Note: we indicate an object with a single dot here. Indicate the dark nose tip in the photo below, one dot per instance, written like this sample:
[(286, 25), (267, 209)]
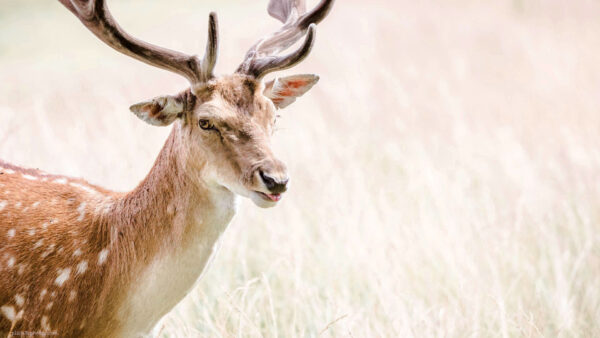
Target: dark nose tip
[(276, 186)]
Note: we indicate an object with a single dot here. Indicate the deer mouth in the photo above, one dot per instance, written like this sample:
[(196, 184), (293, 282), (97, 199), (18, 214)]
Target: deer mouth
[(269, 197)]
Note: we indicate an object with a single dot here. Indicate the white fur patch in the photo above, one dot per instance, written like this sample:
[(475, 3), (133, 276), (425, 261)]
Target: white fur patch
[(8, 312), (48, 251), (63, 276), (60, 181), (84, 188), (102, 256), (29, 177), (45, 324), (104, 206), (11, 233), (38, 243), (19, 300), (81, 211), (3, 205), (82, 267), (72, 296)]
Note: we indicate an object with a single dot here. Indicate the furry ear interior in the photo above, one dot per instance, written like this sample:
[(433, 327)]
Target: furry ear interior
[(284, 91), (160, 111)]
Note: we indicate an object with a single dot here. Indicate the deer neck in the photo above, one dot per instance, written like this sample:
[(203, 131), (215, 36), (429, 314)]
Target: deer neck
[(171, 205), (171, 225)]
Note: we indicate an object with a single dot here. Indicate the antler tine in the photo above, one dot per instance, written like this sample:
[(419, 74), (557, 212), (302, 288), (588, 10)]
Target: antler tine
[(212, 48), (94, 14), (262, 66), (260, 58)]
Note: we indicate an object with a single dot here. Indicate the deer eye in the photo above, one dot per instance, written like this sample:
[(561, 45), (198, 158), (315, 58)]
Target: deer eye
[(206, 125)]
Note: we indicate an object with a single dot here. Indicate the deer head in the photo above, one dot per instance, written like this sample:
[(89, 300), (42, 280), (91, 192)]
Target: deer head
[(226, 121)]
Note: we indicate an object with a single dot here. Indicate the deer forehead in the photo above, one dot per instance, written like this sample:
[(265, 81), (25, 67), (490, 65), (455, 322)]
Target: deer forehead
[(236, 98)]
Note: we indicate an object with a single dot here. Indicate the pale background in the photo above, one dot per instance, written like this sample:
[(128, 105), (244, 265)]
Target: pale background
[(445, 171)]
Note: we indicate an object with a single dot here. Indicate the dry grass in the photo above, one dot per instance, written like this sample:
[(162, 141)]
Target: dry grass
[(446, 169)]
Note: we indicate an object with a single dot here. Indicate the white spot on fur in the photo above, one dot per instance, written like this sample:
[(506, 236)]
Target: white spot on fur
[(63, 276), (77, 253), (72, 296), (8, 312), (38, 243), (82, 267), (104, 206), (8, 171), (21, 269), (60, 181), (19, 300), (10, 262), (31, 232), (35, 205), (45, 324), (84, 188), (20, 315), (29, 177), (43, 293), (3, 205), (53, 294), (102, 256), (49, 305), (48, 251), (18, 204), (11, 233), (81, 210)]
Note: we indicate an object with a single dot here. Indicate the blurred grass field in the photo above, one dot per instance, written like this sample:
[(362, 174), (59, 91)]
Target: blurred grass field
[(445, 170)]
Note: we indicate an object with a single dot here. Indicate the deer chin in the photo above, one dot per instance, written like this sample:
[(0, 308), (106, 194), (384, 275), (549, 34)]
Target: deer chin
[(264, 200)]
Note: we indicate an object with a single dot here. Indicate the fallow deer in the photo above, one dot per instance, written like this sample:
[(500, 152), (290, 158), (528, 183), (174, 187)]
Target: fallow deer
[(79, 260)]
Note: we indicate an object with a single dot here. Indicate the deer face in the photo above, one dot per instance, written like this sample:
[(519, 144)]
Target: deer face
[(227, 127), (233, 127)]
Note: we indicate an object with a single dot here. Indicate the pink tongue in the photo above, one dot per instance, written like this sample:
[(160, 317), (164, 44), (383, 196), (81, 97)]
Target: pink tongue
[(275, 197)]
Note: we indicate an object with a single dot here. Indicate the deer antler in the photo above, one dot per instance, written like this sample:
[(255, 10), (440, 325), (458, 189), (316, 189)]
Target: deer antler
[(262, 59), (94, 14)]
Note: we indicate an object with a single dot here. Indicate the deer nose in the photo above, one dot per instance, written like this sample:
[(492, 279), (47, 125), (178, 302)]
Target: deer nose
[(275, 185)]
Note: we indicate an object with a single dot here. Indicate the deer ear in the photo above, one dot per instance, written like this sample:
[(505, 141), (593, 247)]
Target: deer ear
[(284, 91), (160, 111)]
